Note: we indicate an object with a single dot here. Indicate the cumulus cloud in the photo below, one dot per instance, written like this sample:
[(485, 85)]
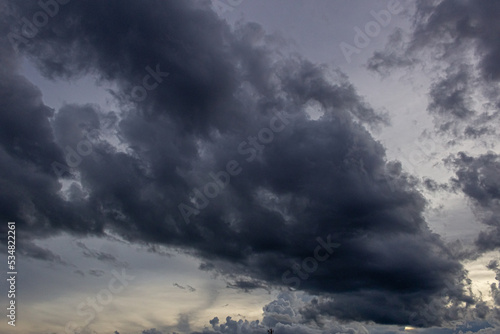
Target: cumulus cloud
[(283, 316), (229, 122)]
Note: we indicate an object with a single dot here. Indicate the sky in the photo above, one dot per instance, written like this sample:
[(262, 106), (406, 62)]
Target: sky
[(232, 166)]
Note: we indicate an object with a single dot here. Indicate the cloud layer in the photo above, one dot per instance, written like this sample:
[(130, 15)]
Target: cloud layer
[(221, 159)]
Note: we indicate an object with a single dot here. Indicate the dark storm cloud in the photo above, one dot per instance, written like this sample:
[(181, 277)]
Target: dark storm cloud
[(29, 188), (247, 285), (479, 179), (228, 98)]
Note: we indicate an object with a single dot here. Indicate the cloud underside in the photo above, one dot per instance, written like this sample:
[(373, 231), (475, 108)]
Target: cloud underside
[(230, 99)]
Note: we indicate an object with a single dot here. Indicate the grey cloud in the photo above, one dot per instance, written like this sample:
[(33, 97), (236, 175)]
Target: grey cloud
[(96, 272), (449, 41), (151, 331), (470, 23), (79, 272), (188, 287), (29, 249), (158, 249), (454, 42), (283, 316), (310, 179), (495, 291), (393, 55), (247, 285), (478, 178), (451, 96), (449, 28), (179, 286), (101, 256), (183, 324), (27, 150), (433, 186)]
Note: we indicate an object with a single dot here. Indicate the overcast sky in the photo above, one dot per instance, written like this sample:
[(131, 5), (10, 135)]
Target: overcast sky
[(231, 166)]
